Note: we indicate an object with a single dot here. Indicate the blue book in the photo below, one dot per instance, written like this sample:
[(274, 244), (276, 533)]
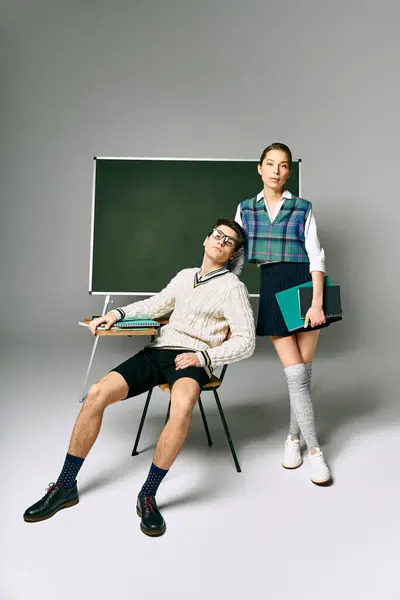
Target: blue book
[(288, 301)]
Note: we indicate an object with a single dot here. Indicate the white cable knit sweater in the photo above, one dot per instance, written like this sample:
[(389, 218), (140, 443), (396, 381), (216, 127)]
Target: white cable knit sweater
[(203, 312)]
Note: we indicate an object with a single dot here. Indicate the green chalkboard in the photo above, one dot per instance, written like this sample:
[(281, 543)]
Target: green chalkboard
[(150, 218)]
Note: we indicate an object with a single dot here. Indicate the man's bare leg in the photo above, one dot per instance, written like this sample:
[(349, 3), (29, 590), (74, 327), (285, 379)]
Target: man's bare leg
[(184, 395), (106, 391), (64, 493)]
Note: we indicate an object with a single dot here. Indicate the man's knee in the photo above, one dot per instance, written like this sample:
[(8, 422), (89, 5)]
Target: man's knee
[(95, 397), (98, 397), (109, 389), (183, 400)]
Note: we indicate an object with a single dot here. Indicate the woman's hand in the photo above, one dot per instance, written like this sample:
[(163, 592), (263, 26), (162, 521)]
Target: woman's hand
[(315, 316), (187, 359)]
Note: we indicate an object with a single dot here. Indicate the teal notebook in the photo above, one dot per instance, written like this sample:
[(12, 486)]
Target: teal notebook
[(128, 323), (288, 301)]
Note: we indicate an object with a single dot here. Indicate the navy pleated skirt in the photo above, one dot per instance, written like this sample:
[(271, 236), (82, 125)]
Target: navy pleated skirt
[(276, 277)]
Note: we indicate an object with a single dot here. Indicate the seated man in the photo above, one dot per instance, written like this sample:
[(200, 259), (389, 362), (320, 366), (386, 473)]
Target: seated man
[(206, 303)]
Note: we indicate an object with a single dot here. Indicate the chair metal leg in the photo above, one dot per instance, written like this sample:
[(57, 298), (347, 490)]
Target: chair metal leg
[(228, 435), (203, 416), (139, 433), (168, 411)]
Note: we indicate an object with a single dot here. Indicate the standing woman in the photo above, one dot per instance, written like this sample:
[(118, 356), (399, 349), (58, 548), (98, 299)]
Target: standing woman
[(282, 239)]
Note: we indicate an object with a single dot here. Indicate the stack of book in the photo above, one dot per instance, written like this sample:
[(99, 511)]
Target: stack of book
[(128, 323), (296, 301)]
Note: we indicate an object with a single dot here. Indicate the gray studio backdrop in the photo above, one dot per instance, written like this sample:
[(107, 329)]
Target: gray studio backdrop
[(200, 79)]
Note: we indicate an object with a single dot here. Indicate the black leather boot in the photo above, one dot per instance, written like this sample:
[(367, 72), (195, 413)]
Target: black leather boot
[(152, 522), (57, 497)]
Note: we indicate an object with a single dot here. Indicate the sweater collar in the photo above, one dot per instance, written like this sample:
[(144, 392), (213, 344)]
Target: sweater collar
[(201, 279)]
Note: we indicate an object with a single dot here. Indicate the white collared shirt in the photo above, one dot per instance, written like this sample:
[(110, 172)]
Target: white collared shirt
[(315, 252)]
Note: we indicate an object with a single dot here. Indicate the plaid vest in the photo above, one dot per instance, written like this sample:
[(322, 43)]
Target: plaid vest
[(280, 241)]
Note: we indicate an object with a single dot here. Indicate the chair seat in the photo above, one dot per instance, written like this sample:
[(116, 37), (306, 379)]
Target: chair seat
[(213, 383)]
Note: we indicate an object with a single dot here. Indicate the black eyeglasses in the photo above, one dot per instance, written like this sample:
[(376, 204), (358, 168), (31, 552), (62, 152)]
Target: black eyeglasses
[(220, 235)]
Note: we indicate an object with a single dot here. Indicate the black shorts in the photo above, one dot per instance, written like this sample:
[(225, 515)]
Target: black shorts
[(152, 366)]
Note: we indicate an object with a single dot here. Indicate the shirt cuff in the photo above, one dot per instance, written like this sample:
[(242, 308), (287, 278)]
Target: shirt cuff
[(317, 265), (204, 358), (119, 313)]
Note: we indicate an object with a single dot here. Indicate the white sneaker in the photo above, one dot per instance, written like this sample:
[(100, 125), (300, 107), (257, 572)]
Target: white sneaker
[(292, 457), (320, 472)]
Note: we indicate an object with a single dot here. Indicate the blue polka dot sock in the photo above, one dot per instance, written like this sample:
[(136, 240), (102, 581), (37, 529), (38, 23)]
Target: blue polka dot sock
[(70, 470), (154, 478)]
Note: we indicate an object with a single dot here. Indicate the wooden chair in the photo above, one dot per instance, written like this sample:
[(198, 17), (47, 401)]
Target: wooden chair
[(212, 386)]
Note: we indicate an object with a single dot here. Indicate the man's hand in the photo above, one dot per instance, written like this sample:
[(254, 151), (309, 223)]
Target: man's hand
[(315, 316), (187, 359), (109, 319)]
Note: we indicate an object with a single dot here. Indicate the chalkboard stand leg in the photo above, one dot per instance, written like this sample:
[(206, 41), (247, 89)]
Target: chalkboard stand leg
[(96, 341)]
